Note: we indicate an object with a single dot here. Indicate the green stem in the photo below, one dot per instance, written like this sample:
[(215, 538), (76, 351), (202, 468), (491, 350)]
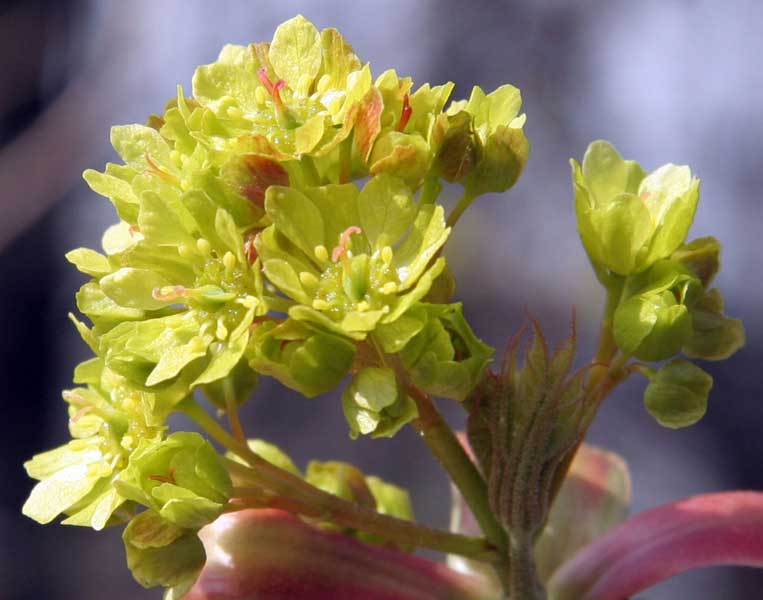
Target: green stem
[(308, 168), (430, 190), (462, 205), (231, 407), (442, 442), (314, 502)]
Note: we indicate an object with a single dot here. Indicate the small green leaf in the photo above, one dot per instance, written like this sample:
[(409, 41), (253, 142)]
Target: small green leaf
[(677, 395)]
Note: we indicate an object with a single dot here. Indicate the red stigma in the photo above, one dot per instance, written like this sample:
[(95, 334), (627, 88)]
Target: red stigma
[(344, 241), (405, 114), (250, 250), (274, 89), (164, 478)]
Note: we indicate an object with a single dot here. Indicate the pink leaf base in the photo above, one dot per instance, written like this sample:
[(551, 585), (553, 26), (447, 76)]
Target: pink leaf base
[(708, 530), (271, 554)]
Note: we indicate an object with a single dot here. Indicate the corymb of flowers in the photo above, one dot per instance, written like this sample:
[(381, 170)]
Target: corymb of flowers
[(282, 220)]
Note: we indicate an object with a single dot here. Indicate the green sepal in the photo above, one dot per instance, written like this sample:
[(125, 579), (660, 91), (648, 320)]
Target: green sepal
[(161, 553), (652, 326), (406, 156), (446, 358), (271, 453), (242, 382), (701, 257), (677, 394), (655, 322), (375, 405), (89, 262), (341, 479), (394, 336), (180, 477), (134, 288), (309, 361), (714, 336)]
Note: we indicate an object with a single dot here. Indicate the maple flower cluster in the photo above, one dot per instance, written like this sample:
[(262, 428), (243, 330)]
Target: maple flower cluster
[(282, 220)]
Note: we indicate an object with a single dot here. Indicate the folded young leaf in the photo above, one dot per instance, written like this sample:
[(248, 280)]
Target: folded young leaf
[(271, 554), (702, 531)]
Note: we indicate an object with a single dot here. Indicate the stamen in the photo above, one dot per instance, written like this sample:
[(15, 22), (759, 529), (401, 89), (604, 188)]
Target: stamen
[(204, 246), (387, 255), (319, 304), (229, 261), (308, 280), (321, 253), (344, 242), (221, 333), (274, 89), (169, 293), (405, 114)]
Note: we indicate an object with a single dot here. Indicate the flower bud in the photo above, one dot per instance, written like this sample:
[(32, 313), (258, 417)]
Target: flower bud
[(627, 219)]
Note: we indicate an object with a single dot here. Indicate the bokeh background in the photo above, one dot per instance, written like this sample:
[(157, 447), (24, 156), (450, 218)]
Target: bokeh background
[(665, 80)]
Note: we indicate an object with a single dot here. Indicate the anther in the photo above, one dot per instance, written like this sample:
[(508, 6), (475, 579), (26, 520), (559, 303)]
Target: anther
[(204, 246), (389, 288), (321, 253), (308, 280), (387, 255), (229, 261), (319, 304)]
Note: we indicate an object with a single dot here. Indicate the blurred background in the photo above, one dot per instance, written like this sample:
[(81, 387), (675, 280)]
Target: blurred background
[(665, 80)]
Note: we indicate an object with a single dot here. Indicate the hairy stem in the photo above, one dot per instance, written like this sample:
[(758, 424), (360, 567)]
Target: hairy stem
[(524, 584), (272, 486), (442, 442)]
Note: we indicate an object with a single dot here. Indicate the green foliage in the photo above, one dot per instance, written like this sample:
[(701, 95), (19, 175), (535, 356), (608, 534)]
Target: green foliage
[(677, 394)]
